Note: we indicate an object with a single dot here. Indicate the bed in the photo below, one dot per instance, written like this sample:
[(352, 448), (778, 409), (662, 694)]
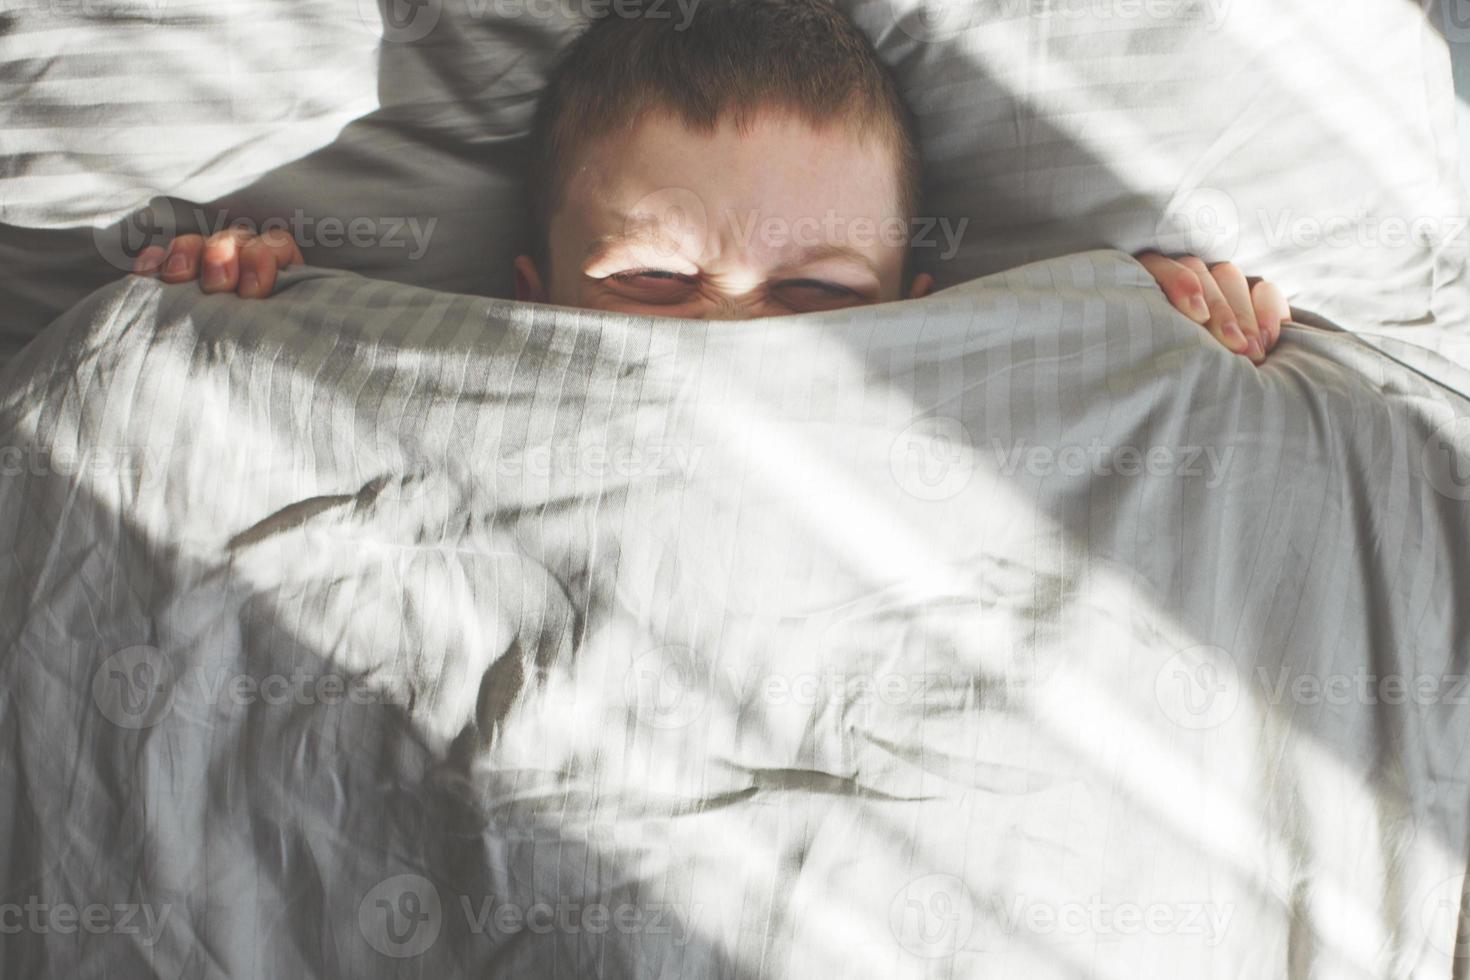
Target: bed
[(393, 628)]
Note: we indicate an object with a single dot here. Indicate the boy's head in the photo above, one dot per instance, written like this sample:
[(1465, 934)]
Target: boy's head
[(754, 161)]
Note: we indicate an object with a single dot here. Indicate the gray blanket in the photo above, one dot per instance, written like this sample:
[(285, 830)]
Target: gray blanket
[(1019, 631)]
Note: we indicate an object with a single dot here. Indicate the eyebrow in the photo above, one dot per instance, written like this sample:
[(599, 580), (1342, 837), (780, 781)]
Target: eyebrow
[(817, 253), (603, 244)]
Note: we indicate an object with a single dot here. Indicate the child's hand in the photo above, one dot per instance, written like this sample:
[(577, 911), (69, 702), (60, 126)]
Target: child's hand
[(1243, 314), (234, 261)]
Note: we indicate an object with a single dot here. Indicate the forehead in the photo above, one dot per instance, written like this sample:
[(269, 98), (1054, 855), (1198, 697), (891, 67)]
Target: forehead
[(777, 167)]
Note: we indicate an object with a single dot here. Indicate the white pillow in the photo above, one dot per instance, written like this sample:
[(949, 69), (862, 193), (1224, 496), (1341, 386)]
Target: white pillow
[(1308, 143), (310, 112)]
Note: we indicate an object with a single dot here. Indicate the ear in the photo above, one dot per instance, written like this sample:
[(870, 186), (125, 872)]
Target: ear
[(529, 288), (923, 282)]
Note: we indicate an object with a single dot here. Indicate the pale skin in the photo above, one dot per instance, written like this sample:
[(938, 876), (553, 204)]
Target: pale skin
[(781, 217)]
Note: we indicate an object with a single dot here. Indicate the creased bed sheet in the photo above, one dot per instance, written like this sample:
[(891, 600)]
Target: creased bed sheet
[(1015, 632)]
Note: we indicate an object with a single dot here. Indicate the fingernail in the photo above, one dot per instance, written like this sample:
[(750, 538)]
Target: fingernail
[(1254, 350), (177, 263), (1234, 339), (214, 274), (149, 260), (249, 281), (1199, 310)]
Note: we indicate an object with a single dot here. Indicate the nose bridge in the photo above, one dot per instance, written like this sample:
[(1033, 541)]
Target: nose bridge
[(730, 308), (736, 265), (735, 291)]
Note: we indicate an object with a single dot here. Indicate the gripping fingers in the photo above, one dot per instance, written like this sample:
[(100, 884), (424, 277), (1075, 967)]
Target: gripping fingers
[(1224, 323), (257, 270), (150, 261), (261, 258), (182, 261), (220, 261), (1271, 309), (235, 260), (1233, 284), (1181, 285)]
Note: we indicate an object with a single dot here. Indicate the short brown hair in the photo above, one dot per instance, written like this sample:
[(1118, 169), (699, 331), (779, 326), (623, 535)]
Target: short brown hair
[(732, 57)]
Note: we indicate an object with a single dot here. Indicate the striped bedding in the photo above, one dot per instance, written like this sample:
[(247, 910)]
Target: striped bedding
[(1017, 631)]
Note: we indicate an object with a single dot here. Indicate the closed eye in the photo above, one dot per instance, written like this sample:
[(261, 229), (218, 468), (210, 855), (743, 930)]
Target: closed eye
[(651, 274), (812, 295), (662, 287), (830, 288), (653, 287)]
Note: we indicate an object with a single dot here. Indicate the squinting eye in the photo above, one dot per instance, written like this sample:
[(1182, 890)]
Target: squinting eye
[(827, 288), (653, 287), (656, 274)]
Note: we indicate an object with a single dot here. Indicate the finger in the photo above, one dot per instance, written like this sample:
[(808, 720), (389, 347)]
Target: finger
[(220, 261), (1232, 283), (280, 242), (182, 263), (260, 259), (1271, 309), (149, 261), (1223, 324), (257, 270), (1180, 285)]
